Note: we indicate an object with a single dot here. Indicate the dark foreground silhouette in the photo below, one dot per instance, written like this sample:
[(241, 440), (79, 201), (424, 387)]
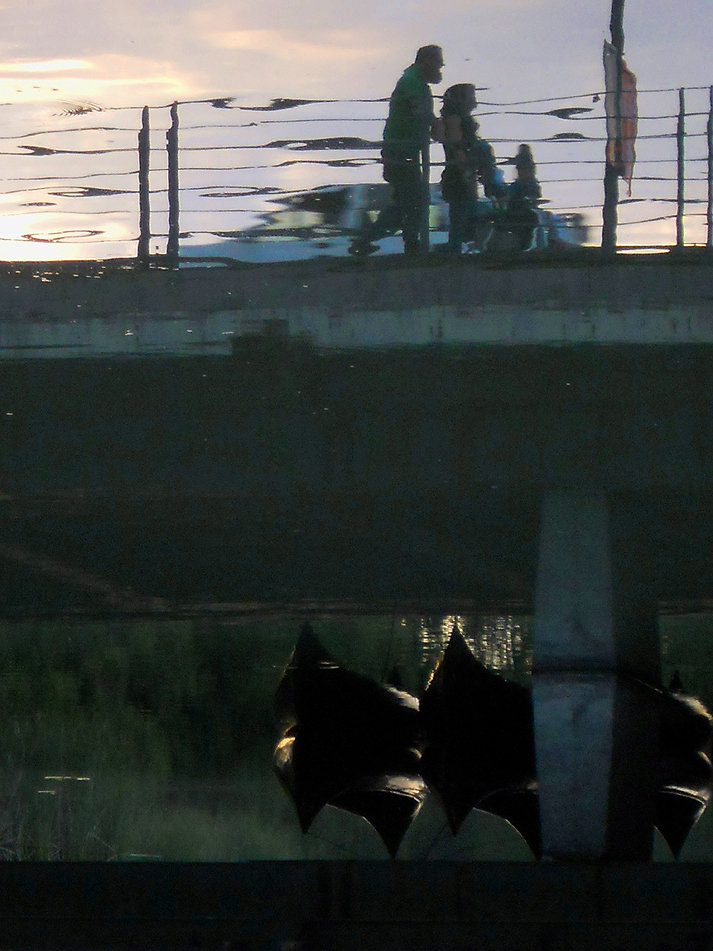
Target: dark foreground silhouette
[(375, 750)]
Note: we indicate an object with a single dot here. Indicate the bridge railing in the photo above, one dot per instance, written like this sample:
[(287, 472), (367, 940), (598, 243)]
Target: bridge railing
[(297, 178)]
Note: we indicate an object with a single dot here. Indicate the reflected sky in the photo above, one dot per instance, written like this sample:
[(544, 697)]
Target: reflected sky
[(73, 76), (172, 49)]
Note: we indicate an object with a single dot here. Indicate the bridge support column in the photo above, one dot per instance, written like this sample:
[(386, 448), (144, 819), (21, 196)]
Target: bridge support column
[(595, 641)]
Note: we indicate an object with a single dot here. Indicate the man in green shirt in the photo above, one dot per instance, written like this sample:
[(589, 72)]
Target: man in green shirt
[(408, 131)]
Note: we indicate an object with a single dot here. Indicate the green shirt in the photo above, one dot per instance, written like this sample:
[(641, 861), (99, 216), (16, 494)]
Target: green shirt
[(408, 126)]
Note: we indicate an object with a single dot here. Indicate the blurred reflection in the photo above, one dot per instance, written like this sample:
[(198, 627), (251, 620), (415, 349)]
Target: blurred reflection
[(470, 160), (334, 221), (155, 738), (503, 644), (361, 746), (410, 125), (347, 741), (368, 748), (480, 746), (125, 739)]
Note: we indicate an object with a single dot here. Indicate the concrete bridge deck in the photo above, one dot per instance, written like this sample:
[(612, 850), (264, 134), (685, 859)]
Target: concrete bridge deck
[(331, 433)]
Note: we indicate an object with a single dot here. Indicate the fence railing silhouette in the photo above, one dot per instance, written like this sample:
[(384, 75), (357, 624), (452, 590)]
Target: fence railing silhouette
[(253, 170)]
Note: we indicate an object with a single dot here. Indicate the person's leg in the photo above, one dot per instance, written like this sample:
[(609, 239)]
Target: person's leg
[(478, 226), (526, 230), (387, 222), (457, 214), (409, 193)]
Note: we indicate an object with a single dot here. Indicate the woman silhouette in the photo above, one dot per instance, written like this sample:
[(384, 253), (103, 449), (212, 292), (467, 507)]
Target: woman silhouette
[(469, 160)]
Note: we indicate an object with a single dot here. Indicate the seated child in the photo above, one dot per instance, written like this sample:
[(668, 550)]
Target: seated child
[(525, 191), (515, 228)]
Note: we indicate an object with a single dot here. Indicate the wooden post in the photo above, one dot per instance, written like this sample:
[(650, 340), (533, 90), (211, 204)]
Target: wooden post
[(616, 25), (709, 137), (426, 185), (610, 218), (144, 204), (680, 166), (611, 175), (173, 210)]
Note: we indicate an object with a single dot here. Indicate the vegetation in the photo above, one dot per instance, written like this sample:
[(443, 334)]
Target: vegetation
[(154, 739)]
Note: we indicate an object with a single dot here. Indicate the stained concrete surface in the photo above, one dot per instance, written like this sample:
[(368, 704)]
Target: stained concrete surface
[(283, 472)]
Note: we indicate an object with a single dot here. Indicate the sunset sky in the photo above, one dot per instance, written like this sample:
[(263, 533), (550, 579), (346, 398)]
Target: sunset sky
[(58, 56), (127, 52)]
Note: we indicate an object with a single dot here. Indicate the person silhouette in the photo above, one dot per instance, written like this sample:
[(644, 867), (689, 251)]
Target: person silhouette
[(523, 196), (410, 126), (469, 160)]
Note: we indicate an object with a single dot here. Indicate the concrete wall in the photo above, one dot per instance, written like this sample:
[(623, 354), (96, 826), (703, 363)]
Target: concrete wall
[(312, 460), (281, 473), (81, 312), (399, 906)]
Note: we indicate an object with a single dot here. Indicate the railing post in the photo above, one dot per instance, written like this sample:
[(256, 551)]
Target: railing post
[(173, 210), (709, 138), (680, 167), (426, 186), (144, 204)]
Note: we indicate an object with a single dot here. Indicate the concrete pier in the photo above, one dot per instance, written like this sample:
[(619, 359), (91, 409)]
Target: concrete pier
[(595, 641)]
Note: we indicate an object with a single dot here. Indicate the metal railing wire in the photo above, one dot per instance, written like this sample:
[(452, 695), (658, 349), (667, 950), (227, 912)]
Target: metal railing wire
[(276, 172)]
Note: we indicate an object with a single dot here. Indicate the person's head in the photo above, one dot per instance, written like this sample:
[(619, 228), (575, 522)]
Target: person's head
[(459, 99), (429, 61), (524, 162)]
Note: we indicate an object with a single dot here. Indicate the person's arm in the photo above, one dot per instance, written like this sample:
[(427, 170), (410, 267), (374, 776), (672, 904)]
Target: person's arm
[(452, 129), (421, 108), (485, 159)]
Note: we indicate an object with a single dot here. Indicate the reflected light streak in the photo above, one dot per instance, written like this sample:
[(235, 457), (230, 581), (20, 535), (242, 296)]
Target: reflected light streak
[(46, 66), (497, 642), (54, 237)]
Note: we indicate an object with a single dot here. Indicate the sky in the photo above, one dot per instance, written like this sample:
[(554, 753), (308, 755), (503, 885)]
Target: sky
[(122, 53), (57, 56)]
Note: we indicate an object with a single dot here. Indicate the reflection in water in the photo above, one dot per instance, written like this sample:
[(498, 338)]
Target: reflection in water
[(229, 159), (500, 643), (169, 727), (155, 738), (480, 746), (686, 774), (297, 148), (79, 108), (356, 220), (347, 741), (363, 747), (375, 751)]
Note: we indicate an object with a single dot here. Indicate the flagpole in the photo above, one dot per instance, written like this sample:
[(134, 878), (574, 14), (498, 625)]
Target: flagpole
[(611, 175)]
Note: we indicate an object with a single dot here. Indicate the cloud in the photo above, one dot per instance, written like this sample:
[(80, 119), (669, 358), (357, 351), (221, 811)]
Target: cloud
[(52, 66), (333, 47)]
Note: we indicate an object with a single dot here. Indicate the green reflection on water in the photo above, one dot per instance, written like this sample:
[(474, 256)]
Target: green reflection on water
[(154, 739)]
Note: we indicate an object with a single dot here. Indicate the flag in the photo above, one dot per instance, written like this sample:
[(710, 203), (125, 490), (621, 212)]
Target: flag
[(621, 112)]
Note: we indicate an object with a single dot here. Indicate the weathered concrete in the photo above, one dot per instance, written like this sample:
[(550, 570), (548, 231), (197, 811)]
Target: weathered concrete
[(81, 311), (379, 433), (283, 473), (595, 730)]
